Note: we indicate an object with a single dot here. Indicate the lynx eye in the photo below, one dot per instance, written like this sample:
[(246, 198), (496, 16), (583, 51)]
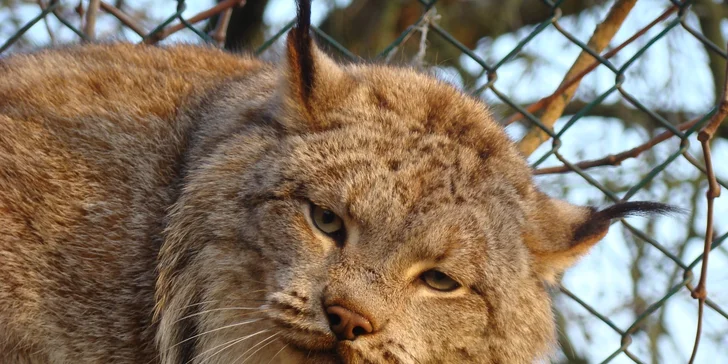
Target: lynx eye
[(328, 222), (439, 281)]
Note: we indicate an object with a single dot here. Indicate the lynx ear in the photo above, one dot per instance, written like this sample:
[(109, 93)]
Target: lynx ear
[(312, 81), (560, 233)]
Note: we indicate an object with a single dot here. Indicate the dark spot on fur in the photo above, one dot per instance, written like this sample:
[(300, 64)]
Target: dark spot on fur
[(387, 355), (394, 165), (380, 100), (464, 354), (416, 129), (425, 207), (97, 87), (463, 131)]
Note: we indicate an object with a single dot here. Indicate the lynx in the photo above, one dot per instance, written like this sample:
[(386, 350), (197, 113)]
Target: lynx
[(184, 205)]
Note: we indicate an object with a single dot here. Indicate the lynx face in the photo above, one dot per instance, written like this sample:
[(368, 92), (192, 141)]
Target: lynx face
[(369, 242), (375, 216)]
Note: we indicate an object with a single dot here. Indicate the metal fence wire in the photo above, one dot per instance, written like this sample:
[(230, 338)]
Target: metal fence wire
[(540, 128)]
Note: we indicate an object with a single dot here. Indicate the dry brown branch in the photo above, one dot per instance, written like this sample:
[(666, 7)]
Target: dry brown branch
[(540, 104), (704, 136), (123, 18), (599, 40), (617, 159), (221, 28), (89, 27), (221, 6)]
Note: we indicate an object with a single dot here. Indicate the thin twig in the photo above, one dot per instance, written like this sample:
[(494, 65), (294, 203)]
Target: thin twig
[(227, 4), (220, 32), (599, 40), (123, 18), (89, 27), (51, 36), (420, 23), (540, 104), (617, 159), (430, 17), (704, 136)]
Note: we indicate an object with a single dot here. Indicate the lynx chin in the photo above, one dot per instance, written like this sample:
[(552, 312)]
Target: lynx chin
[(164, 205)]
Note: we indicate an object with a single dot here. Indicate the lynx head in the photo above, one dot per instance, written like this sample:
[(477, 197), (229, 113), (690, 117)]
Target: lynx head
[(364, 213)]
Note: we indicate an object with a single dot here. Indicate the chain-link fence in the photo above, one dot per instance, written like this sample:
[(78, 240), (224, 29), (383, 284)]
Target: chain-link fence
[(538, 120)]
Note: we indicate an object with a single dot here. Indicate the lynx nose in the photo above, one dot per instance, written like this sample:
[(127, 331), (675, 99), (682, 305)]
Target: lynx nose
[(346, 324)]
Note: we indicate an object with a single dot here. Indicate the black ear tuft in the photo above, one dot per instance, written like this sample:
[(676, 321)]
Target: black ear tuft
[(300, 40), (600, 220), (560, 233), (303, 16), (311, 82), (637, 208)]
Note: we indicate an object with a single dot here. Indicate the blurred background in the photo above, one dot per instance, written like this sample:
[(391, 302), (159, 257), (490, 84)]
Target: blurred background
[(658, 79)]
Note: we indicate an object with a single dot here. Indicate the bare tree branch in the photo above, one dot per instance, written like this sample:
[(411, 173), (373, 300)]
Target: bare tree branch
[(599, 40), (704, 136), (220, 31), (367, 26), (203, 15), (89, 27), (540, 104), (710, 15), (123, 18), (617, 159)]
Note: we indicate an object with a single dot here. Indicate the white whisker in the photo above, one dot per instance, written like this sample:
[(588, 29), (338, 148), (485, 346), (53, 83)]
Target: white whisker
[(213, 301), (217, 329), (196, 304), (225, 345), (261, 348), (276, 354), (253, 347), (222, 309)]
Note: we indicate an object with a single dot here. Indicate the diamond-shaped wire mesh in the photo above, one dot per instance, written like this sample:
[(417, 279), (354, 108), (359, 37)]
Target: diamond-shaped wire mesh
[(673, 19)]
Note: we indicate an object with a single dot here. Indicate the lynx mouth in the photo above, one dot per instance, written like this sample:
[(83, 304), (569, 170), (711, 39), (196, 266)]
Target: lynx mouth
[(328, 355), (307, 340), (343, 353), (322, 349), (335, 352)]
